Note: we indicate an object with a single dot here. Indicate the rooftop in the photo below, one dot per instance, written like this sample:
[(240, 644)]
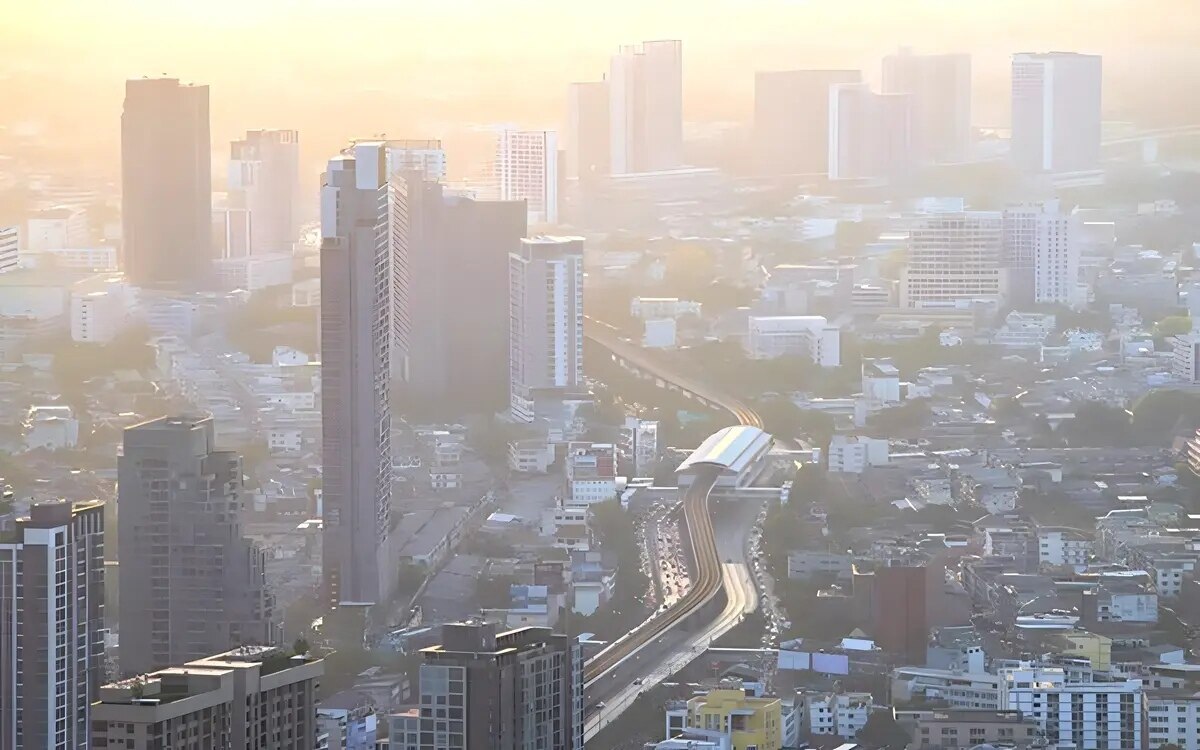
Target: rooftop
[(732, 448)]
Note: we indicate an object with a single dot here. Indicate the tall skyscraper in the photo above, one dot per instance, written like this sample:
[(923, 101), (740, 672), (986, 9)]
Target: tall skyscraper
[(191, 584), (791, 119), (1041, 254), (264, 179), (450, 354), (645, 87), (869, 133), (358, 264), (166, 183), (953, 259), (51, 626), (939, 91), (483, 690), (587, 130), (546, 302), (8, 248), (1056, 111), (527, 169)]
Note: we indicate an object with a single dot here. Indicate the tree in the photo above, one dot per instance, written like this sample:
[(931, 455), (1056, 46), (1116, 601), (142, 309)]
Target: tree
[(1157, 414), (1097, 424), (300, 646), (809, 485), (1172, 325)]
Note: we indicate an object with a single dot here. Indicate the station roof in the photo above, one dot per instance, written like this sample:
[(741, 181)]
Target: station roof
[(733, 449)]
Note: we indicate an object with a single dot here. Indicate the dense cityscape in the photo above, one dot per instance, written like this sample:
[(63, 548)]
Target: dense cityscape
[(864, 423)]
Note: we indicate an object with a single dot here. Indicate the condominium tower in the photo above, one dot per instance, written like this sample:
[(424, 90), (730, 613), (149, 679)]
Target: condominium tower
[(546, 302), (166, 183), (527, 170), (1056, 111), (869, 133), (791, 119), (645, 87), (587, 130), (483, 690), (191, 583), (264, 179), (953, 259), (939, 91), (51, 626), (358, 264)]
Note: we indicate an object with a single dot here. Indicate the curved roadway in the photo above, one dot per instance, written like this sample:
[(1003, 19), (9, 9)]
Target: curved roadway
[(711, 576)]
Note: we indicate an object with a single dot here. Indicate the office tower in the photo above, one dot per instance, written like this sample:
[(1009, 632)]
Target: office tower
[(422, 155), (1041, 254), (791, 119), (546, 303), (264, 179), (51, 625), (191, 583), (1056, 111), (869, 133), (953, 259), (450, 350), (254, 697), (939, 91), (645, 107), (900, 619), (483, 690), (587, 130), (166, 183), (527, 170), (358, 262), (8, 248)]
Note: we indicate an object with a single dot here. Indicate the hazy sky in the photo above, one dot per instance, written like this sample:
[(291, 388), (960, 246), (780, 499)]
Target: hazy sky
[(430, 68)]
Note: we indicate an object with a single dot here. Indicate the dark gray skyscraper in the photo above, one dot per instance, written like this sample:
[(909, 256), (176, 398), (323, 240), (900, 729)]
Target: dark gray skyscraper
[(357, 269), (166, 183), (51, 626), (452, 317), (191, 584)]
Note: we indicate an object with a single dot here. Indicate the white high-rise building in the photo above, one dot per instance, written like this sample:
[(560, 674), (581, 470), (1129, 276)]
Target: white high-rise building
[(939, 90), (546, 314), (264, 179), (357, 258), (1041, 254), (587, 130), (953, 259), (1056, 111), (1095, 715), (527, 169), (869, 133), (8, 248), (645, 87)]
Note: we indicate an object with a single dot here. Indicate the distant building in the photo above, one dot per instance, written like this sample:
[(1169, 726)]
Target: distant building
[(969, 242), (939, 91), (810, 336), (1185, 363), (870, 134), (729, 717), (254, 697), (527, 170), (791, 119), (546, 341), (264, 179), (651, 308), (591, 471), (587, 130), (536, 675), (1102, 715), (165, 152), (645, 87), (56, 228), (1041, 254), (945, 728), (52, 637), (1056, 111), (191, 583), (838, 714), (639, 446), (348, 717), (900, 619), (415, 155), (850, 454)]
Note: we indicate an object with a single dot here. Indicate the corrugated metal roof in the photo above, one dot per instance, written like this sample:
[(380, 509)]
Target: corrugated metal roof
[(732, 448)]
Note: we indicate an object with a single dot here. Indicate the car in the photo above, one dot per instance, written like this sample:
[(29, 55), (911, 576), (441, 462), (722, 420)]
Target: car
[(638, 681)]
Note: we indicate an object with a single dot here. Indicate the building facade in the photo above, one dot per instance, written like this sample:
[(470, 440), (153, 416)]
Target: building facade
[(546, 314), (483, 690), (264, 179), (191, 583), (1041, 254), (587, 130), (166, 183), (8, 248), (1056, 111), (645, 107), (51, 626), (357, 265), (527, 170), (791, 119), (953, 259), (1092, 716), (939, 92), (900, 611), (809, 336), (870, 134)]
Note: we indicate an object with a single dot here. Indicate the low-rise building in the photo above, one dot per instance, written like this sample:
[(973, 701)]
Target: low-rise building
[(650, 308), (531, 456), (960, 729), (1060, 546), (51, 428), (731, 718), (348, 718), (591, 470), (806, 564), (810, 336), (853, 454), (839, 714)]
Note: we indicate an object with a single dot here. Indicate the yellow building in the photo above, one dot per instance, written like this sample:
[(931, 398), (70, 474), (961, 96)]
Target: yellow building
[(748, 721), (1096, 648)]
